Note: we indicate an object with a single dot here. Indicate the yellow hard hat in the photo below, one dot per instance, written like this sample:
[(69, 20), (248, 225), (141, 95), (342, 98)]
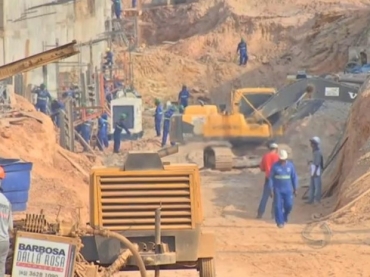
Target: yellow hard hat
[(108, 49)]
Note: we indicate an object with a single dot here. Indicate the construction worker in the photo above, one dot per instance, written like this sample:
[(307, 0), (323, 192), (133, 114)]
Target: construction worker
[(283, 183), (86, 133), (70, 92), (117, 8), (184, 96), (108, 59), (166, 124), (317, 166), (268, 160), (56, 107), (133, 4), (6, 224), (119, 126), (42, 99), (242, 50), (102, 131), (363, 57), (158, 117)]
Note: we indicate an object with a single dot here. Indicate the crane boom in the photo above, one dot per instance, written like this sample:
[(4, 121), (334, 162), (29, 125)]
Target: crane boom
[(40, 59)]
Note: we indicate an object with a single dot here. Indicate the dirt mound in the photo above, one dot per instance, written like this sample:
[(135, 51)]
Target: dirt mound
[(195, 44), (55, 181)]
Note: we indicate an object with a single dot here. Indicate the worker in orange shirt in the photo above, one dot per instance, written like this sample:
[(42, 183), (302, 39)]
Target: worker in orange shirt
[(266, 164)]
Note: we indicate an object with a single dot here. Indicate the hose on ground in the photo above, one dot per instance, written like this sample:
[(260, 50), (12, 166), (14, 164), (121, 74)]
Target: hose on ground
[(127, 243)]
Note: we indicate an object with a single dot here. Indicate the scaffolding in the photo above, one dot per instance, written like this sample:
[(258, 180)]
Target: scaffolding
[(124, 32)]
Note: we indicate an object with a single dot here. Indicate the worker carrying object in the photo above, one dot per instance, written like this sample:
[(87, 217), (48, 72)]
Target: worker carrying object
[(42, 99), (316, 167), (166, 124), (119, 126), (103, 131), (158, 115), (184, 96), (6, 224), (243, 53), (268, 160), (283, 183), (117, 8), (56, 107), (108, 59)]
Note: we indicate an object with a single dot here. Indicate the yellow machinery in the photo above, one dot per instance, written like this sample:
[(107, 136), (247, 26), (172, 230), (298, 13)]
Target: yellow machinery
[(143, 194), (242, 123), (144, 215)]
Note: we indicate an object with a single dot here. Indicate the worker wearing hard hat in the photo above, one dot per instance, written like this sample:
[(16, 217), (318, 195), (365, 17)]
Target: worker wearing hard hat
[(268, 160), (108, 59), (6, 225), (283, 183), (316, 166)]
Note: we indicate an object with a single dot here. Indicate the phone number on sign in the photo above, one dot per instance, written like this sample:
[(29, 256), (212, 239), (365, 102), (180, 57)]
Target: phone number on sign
[(36, 274)]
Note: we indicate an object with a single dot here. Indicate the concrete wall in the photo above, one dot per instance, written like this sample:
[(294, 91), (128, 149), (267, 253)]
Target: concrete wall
[(40, 23)]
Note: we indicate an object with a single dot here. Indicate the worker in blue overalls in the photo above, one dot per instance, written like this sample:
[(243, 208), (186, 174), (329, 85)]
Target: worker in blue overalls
[(283, 183), (243, 52), (166, 124), (118, 127), (85, 131), (158, 116), (56, 107), (43, 96), (183, 98), (102, 131), (108, 59)]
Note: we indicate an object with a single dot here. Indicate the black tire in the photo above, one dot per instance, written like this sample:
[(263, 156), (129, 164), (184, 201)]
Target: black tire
[(207, 267)]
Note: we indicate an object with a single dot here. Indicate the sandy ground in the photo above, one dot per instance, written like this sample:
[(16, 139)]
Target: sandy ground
[(195, 44), (250, 247)]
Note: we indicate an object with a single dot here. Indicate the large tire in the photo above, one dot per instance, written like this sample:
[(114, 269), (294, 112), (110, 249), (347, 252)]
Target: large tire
[(207, 267)]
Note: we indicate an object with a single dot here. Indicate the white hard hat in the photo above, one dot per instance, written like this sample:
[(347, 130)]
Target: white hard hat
[(315, 140), (273, 145), (283, 155)]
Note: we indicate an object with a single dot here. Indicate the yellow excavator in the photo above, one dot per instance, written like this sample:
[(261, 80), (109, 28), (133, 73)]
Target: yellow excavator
[(238, 124)]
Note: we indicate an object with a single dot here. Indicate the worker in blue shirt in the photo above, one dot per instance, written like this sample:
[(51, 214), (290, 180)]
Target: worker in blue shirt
[(243, 52), (158, 115), (119, 126), (43, 96), (184, 96), (117, 8), (166, 124), (56, 107), (102, 131), (108, 59), (283, 183), (69, 93)]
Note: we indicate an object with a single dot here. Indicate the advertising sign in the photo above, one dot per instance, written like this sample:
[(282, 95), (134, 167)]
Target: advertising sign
[(39, 257)]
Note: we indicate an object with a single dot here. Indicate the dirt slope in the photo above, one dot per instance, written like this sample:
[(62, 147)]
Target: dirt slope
[(204, 36), (54, 180)]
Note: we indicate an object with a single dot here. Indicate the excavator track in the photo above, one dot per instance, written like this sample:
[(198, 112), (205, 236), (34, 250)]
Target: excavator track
[(218, 158)]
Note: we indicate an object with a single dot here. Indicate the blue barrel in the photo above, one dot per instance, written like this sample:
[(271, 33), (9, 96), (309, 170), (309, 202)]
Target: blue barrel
[(17, 182)]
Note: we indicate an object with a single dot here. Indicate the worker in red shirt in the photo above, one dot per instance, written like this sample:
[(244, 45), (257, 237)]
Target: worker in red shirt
[(266, 164)]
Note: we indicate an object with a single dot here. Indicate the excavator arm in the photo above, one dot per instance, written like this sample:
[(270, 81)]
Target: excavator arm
[(40, 59)]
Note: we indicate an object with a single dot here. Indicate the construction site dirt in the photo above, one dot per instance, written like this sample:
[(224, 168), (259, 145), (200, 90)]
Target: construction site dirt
[(195, 44)]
